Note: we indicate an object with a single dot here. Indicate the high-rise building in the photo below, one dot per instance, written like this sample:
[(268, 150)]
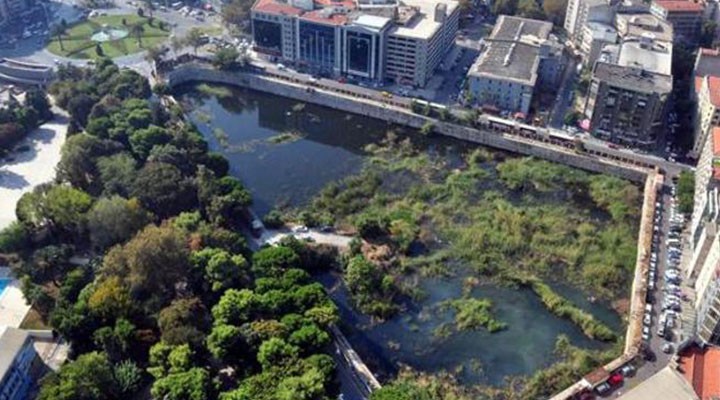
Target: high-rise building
[(518, 57), (366, 39)]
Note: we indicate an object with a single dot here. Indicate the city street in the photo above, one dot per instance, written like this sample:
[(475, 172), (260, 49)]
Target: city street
[(564, 97)]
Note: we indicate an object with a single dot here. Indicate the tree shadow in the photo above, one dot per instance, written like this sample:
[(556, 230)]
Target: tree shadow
[(11, 180)]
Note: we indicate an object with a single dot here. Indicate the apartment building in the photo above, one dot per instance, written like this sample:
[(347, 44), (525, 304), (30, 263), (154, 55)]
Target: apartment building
[(686, 17), (519, 57), (629, 89), (16, 358), (627, 104), (374, 40), (579, 12)]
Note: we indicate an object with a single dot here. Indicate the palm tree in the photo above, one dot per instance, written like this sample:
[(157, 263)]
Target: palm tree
[(58, 31), (138, 31)]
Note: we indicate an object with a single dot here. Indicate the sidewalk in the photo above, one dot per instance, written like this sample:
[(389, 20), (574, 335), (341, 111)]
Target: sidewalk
[(22, 171)]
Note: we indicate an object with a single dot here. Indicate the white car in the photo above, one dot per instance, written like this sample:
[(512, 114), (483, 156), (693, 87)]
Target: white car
[(647, 320)]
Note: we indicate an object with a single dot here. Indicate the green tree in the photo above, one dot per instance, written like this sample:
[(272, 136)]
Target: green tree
[(14, 238), (163, 190), (530, 9), (310, 338), (59, 207), (78, 160), (275, 352), (222, 270), (183, 321), (272, 261), (152, 263), (37, 100), (138, 30), (195, 38), (128, 377), (226, 58), (506, 7), (116, 340), (193, 384), (686, 192), (114, 220), (143, 140), (90, 377), (117, 174), (235, 307), (227, 343), (555, 10)]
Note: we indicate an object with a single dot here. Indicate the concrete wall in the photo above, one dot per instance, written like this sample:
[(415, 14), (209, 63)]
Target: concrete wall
[(192, 73)]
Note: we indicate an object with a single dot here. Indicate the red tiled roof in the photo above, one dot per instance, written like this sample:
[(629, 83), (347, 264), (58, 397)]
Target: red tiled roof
[(714, 88), (680, 5), (710, 52), (701, 369), (345, 3), (276, 7), (716, 140), (332, 19)]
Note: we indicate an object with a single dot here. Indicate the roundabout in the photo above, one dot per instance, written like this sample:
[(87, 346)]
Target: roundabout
[(109, 36)]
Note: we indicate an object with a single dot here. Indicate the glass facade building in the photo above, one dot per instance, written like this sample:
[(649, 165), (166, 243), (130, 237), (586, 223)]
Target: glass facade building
[(317, 45), (268, 35)]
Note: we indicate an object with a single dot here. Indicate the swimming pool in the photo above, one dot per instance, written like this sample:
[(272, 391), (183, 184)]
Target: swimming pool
[(3, 284)]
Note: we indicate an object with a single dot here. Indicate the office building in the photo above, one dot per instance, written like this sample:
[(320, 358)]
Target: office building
[(579, 12), (17, 355), (518, 57), (686, 17), (419, 40), (375, 40)]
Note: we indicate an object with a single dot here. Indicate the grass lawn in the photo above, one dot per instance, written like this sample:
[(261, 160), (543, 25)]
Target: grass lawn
[(76, 42)]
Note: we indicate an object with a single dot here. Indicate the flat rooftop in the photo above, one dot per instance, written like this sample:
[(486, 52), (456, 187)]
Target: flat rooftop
[(508, 60), (652, 56), (512, 51), (707, 63), (667, 384), (632, 78), (514, 28), (687, 6), (638, 24), (603, 32), (423, 24)]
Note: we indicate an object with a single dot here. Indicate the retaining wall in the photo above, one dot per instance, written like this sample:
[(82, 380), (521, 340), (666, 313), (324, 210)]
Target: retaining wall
[(193, 73)]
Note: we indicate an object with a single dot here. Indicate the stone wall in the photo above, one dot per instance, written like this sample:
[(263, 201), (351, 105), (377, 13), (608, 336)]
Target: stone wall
[(193, 73)]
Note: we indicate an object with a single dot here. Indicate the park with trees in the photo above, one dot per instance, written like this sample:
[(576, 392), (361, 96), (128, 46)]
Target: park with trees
[(171, 302), (22, 116)]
